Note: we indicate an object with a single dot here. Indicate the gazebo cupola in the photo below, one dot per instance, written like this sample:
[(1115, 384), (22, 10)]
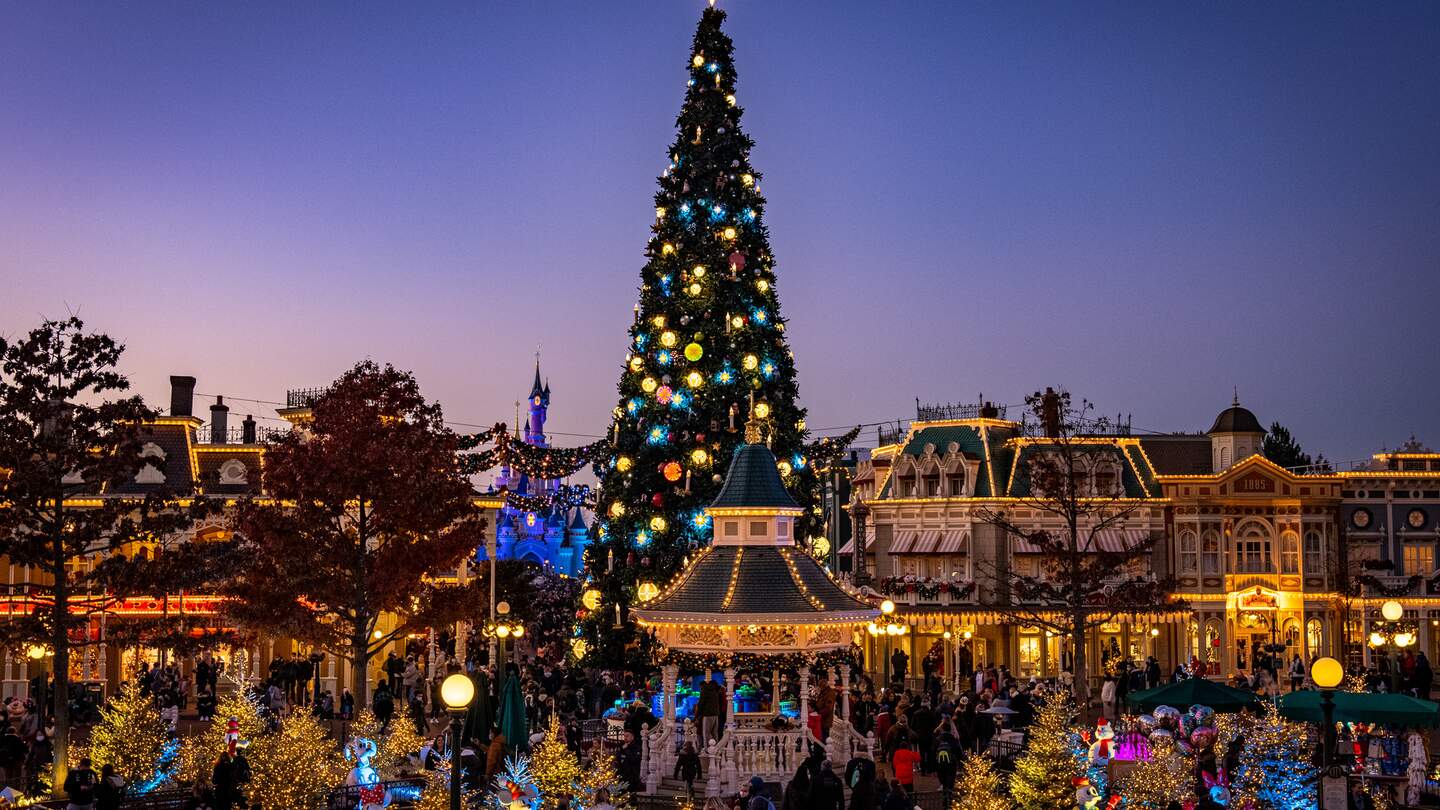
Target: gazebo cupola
[(753, 592)]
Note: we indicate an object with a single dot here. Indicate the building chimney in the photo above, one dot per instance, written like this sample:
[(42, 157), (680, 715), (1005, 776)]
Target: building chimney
[(1050, 412), (182, 396), (219, 421), (247, 430)]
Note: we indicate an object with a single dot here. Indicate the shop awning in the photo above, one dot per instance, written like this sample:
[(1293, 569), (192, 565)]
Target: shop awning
[(849, 545), (903, 541), (926, 542), (1114, 541), (951, 543), (1192, 691)]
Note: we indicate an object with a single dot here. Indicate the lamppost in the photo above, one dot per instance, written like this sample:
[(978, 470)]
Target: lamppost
[(457, 691), (1326, 673), (499, 631), (1393, 633), (888, 624)]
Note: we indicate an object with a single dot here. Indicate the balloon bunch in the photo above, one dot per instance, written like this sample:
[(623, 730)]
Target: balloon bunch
[(1193, 731)]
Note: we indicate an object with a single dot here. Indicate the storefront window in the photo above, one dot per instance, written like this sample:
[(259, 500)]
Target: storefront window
[(1212, 641), (1029, 655), (1194, 633), (1312, 638)]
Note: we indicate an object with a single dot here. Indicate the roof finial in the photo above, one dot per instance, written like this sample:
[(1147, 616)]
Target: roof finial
[(1236, 402), (752, 424)]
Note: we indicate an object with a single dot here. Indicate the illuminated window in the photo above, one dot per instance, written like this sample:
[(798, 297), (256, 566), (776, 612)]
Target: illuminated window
[(1419, 558), (1312, 638), (1210, 553), (1314, 554), (1252, 552), (1189, 553), (1212, 640), (1029, 655), (1289, 553)]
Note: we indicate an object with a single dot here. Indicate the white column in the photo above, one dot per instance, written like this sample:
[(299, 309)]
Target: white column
[(845, 691), (805, 699)]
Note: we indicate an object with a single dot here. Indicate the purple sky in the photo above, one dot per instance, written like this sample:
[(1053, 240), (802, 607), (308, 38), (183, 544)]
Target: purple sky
[(1145, 202)]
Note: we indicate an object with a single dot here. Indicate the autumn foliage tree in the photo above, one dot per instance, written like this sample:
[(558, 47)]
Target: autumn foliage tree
[(362, 504), (1082, 584), (66, 430)]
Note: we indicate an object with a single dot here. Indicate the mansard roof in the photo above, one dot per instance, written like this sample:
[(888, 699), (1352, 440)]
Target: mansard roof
[(736, 582)]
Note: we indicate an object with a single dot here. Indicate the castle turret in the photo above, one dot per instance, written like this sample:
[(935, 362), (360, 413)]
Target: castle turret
[(539, 404)]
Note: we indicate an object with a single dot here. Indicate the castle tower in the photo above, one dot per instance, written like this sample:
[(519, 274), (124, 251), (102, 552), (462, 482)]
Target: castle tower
[(539, 404)]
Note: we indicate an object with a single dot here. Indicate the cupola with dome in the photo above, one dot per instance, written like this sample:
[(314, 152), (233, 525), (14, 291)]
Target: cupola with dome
[(1235, 436)]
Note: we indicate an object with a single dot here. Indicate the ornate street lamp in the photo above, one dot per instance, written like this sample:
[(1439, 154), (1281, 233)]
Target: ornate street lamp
[(457, 691)]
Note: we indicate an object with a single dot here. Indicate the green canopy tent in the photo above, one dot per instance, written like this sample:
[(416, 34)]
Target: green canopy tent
[(1363, 707), (512, 716), (1192, 691)]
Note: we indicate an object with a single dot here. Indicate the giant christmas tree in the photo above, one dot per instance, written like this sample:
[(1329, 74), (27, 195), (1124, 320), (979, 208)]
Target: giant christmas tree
[(707, 346)]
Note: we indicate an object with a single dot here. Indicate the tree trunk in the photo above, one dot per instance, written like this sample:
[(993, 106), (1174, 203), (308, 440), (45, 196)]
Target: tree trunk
[(1081, 688), (60, 643), (360, 665)]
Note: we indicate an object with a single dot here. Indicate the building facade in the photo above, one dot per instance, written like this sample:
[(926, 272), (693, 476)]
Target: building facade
[(195, 459)]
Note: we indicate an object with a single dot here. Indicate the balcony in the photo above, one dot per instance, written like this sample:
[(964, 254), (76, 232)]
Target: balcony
[(236, 435)]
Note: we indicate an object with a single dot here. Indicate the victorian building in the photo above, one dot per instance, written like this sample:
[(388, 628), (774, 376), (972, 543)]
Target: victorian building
[(190, 458)]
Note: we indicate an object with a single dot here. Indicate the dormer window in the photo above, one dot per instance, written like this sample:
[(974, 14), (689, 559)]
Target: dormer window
[(150, 472)]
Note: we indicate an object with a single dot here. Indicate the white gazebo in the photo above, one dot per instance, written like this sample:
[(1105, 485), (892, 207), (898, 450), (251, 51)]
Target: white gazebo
[(753, 601)]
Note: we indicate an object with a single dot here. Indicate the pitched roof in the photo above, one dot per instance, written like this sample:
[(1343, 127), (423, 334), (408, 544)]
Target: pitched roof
[(754, 481), (1178, 454), (764, 585), (537, 389)]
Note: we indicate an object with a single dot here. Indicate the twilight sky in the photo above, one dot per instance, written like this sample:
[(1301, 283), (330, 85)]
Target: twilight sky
[(1146, 202)]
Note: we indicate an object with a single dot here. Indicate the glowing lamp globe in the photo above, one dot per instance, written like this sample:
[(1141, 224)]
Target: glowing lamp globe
[(1404, 639), (457, 691), (887, 607), (35, 652), (647, 591), (591, 599), (893, 629), (873, 629), (946, 635), (1327, 673), (517, 631), (502, 630), (969, 635), (1154, 631), (1392, 611), (1377, 639)]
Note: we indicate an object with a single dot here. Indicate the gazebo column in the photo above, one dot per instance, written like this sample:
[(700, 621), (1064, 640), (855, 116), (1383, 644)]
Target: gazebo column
[(730, 774), (804, 699), (775, 690), (671, 674), (845, 692)]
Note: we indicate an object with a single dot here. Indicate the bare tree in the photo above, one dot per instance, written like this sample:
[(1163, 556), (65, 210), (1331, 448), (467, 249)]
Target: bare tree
[(1081, 583)]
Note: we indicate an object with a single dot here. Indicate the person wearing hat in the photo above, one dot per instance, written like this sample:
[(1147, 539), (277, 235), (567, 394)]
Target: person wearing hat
[(758, 800)]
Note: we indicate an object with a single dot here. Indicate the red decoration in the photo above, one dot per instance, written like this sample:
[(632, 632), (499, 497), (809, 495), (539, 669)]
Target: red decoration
[(657, 500), (737, 261)]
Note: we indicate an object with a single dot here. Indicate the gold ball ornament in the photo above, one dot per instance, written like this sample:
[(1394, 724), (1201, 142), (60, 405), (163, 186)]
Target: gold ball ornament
[(668, 339), (624, 463), (590, 599), (694, 351), (750, 362), (649, 384), (658, 523)]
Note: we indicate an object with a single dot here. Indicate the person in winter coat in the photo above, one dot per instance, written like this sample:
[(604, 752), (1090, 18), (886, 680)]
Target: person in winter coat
[(903, 763), (383, 704), (111, 789), (687, 768), (826, 792), (495, 756), (898, 799), (797, 793), (80, 786), (860, 776), (1107, 697)]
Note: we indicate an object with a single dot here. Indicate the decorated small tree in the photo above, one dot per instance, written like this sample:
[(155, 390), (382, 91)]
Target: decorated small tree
[(295, 766), (1167, 777), (435, 795), (555, 767), (979, 786), (199, 751), (1275, 770), (394, 746), (602, 773), (133, 739), (514, 787), (1045, 769)]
